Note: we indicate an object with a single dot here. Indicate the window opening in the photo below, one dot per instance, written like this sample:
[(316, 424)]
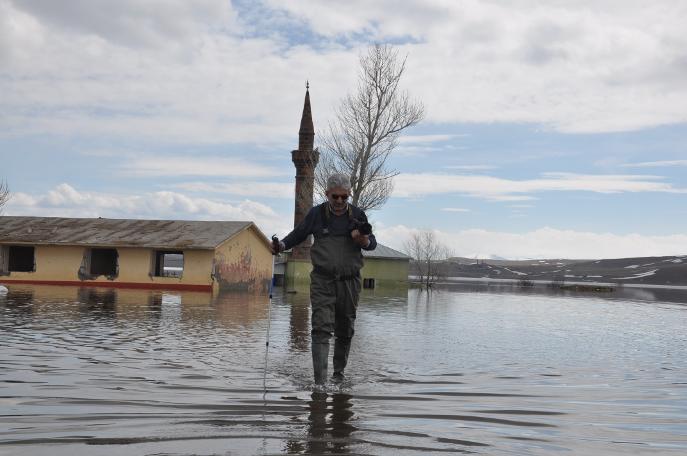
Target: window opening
[(169, 263), (21, 259), (368, 283), (104, 262)]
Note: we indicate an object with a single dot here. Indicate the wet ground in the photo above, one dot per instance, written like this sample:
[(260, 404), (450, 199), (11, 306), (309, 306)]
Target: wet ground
[(467, 369)]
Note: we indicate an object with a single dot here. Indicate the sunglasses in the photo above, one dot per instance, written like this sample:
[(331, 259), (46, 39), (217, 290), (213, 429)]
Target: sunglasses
[(343, 197)]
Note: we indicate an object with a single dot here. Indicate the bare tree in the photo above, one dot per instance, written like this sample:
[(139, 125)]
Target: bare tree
[(4, 194), (427, 251), (366, 130)]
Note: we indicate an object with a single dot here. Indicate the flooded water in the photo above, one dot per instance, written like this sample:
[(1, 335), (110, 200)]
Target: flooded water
[(462, 370)]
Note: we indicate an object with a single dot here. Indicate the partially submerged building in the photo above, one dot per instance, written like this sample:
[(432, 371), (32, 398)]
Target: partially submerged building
[(384, 267), (165, 254)]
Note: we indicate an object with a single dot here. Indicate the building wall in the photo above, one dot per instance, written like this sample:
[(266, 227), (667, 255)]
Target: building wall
[(62, 263), (243, 263), (386, 272), (297, 276)]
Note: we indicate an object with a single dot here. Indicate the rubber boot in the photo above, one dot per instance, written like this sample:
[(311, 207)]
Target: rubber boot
[(341, 349), (320, 354)]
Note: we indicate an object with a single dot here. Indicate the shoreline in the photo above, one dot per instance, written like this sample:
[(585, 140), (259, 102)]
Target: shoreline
[(548, 283)]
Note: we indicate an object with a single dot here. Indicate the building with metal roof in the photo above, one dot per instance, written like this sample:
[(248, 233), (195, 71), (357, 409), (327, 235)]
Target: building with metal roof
[(171, 254), (384, 267)]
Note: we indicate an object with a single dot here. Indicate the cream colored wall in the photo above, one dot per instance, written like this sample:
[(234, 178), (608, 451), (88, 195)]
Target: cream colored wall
[(61, 263), (243, 263)]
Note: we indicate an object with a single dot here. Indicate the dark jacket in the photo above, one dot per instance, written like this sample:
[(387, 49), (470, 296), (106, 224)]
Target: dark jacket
[(327, 227)]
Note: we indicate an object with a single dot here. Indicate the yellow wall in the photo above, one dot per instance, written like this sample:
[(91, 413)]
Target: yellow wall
[(386, 272), (243, 263), (61, 264)]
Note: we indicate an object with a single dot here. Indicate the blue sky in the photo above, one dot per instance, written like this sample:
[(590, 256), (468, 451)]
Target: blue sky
[(552, 129)]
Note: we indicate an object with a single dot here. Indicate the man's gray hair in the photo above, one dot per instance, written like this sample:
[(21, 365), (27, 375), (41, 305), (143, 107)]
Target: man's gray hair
[(338, 180)]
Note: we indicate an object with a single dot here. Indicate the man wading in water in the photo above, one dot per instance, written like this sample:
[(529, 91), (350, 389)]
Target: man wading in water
[(340, 231)]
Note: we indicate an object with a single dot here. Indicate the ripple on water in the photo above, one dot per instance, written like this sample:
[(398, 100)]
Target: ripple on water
[(449, 372)]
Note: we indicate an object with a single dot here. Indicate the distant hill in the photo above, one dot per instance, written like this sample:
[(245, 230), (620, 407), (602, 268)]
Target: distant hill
[(667, 270)]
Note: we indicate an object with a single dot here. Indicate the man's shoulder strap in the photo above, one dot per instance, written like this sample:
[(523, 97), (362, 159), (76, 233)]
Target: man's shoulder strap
[(325, 213)]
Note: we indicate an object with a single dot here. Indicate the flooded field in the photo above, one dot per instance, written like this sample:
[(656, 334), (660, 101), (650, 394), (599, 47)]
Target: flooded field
[(466, 369)]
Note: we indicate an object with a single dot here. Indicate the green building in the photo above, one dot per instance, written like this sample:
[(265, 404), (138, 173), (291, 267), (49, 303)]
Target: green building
[(384, 268)]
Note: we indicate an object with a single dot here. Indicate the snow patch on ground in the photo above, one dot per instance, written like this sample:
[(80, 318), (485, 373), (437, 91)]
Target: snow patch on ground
[(637, 276), (632, 266), (676, 260), (595, 277), (515, 272)]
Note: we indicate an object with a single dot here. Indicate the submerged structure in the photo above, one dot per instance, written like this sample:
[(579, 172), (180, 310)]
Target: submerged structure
[(164, 254)]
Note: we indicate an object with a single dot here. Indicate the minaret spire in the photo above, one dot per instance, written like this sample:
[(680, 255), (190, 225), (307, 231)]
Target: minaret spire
[(305, 160), (306, 134)]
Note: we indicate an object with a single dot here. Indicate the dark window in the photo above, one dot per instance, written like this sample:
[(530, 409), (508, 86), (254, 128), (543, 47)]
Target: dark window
[(104, 262), (168, 263), (21, 259), (368, 283)]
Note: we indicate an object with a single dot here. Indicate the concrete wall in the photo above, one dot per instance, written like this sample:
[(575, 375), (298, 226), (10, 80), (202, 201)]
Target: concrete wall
[(297, 275), (386, 272), (243, 263), (62, 263)]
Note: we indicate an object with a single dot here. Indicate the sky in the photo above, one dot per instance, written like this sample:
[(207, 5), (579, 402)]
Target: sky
[(553, 129)]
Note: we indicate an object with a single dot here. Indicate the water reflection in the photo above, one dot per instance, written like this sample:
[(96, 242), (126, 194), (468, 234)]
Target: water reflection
[(97, 302), (448, 371), (619, 292), (299, 322)]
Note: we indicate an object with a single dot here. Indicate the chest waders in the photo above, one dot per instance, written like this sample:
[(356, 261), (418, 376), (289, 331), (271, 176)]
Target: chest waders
[(334, 290)]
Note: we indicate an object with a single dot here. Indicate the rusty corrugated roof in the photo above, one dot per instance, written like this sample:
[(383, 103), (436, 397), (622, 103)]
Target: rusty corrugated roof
[(161, 234)]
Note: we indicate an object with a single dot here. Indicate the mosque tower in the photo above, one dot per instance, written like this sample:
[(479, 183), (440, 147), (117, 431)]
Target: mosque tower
[(305, 160)]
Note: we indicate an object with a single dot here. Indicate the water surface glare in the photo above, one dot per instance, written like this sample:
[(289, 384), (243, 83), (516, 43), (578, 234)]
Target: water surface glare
[(459, 370)]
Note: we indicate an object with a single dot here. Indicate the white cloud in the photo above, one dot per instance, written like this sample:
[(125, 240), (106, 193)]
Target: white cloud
[(195, 166), (205, 85), (656, 164), (65, 201), (470, 167), (131, 22), (259, 189), (425, 139), (197, 72), (499, 189), (545, 242), (454, 209), (577, 66)]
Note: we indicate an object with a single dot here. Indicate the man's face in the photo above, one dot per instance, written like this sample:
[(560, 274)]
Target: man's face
[(338, 197)]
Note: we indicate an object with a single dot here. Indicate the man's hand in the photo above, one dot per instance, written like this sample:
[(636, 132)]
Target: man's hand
[(362, 240), (276, 246)]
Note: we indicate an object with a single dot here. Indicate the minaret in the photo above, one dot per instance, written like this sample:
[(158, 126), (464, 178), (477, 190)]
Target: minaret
[(305, 160)]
